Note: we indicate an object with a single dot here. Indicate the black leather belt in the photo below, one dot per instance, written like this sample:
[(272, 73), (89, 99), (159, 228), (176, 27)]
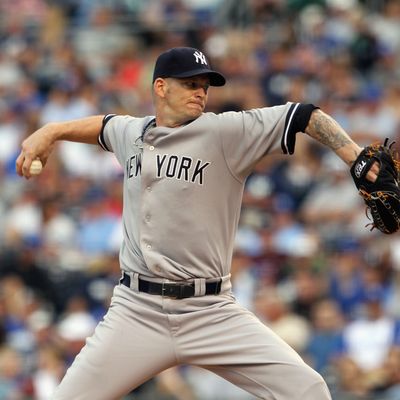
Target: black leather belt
[(174, 290)]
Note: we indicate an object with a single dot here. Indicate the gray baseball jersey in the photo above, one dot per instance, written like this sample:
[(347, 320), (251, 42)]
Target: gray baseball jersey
[(183, 186), (182, 195)]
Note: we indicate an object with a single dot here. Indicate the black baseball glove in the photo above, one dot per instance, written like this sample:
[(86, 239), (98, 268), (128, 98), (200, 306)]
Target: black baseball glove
[(382, 197)]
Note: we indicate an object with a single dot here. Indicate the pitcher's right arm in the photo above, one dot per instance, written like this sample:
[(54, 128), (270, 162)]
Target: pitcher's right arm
[(41, 142)]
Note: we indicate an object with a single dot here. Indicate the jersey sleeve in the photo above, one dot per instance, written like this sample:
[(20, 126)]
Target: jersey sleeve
[(112, 136), (247, 136)]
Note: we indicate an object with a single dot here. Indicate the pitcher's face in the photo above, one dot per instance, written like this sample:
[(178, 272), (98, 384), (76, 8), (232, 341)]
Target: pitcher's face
[(184, 99)]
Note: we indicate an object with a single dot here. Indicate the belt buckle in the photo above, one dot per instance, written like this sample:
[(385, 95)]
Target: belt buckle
[(177, 290)]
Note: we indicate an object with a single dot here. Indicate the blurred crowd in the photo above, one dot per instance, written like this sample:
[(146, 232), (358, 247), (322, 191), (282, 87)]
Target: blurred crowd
[(304, 260)]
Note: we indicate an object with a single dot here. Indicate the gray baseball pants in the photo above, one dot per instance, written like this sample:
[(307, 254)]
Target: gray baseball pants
[(143, 334)]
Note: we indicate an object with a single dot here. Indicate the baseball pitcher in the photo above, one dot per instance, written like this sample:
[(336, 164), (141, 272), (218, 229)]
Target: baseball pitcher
[(184, 175)]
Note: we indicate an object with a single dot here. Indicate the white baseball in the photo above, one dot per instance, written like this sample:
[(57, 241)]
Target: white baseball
[(36, 167)]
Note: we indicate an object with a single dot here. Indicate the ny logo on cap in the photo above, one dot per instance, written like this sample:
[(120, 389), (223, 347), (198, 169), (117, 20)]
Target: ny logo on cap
[(200, 57)]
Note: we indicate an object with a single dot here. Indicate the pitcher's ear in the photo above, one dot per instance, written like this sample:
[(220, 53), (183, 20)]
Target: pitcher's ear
[(159, 87)]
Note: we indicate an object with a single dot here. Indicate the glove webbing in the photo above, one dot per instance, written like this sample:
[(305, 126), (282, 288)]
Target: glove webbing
[(371, 199)]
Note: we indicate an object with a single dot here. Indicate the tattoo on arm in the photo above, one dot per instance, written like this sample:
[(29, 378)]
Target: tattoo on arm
[(327, 131)]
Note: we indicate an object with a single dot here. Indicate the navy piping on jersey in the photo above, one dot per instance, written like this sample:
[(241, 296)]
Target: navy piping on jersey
[(150, 124), (297, 120), (107, 117), (100, 138)]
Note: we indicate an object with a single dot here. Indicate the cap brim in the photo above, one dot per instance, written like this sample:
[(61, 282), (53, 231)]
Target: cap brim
[(216, 79)]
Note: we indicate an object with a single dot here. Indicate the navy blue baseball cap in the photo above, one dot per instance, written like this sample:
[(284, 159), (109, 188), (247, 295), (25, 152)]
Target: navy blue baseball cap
[(184, 62)]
